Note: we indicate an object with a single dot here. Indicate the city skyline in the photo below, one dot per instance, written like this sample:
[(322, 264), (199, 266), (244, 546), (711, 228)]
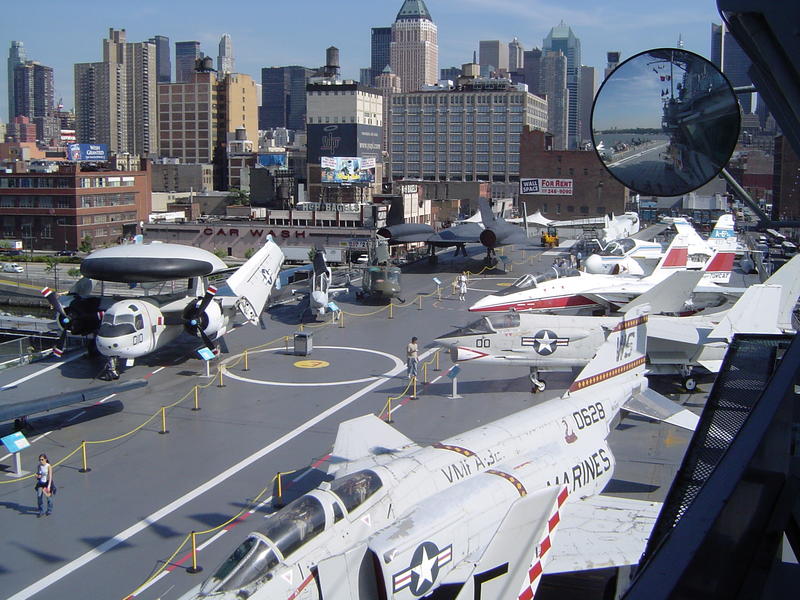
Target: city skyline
[(626, 25)]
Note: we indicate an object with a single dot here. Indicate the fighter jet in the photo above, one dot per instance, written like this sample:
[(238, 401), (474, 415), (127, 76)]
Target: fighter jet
[(481, 515), (135, 327), (676, 345), (320, 292), (578, 291)]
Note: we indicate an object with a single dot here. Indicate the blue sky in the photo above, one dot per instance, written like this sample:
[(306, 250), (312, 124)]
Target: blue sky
[(275, 32)]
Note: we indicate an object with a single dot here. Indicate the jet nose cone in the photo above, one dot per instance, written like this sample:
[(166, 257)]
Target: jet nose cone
[(318, 299), (594, 264)]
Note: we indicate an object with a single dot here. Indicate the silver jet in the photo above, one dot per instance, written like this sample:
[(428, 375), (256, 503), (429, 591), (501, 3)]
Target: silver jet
[(676, 345), (487, 512)]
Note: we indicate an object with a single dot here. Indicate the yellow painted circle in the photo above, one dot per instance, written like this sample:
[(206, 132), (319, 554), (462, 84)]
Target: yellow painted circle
[(503, 284), (312, 364)]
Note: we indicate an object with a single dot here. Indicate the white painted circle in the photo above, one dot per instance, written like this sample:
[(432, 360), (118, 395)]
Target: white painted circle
[(397, 362)]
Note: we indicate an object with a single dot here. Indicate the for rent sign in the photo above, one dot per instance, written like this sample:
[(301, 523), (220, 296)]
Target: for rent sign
[(546, 187)]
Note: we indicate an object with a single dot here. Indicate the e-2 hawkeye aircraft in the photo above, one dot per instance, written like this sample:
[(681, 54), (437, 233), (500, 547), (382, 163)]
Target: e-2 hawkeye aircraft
[(134, 327), (574, 291), (480, 515), (676, 345)]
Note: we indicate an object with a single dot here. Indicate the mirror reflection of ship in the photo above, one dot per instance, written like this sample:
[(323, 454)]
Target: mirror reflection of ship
[(380, 280)]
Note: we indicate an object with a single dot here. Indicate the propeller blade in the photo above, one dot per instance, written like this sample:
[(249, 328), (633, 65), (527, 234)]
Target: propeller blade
[(261, 321), (207, 340), (210, 293), (52, 298), (58, 349)]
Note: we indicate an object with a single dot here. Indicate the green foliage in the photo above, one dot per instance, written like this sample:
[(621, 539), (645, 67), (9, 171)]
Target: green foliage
[(52, 263), (239, 197), (219, 253), (73, 272), (249, 253), (86, 244)]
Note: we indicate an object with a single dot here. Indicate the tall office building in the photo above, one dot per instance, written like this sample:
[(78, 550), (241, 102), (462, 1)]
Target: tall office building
[(381, 43), (587, 87), (225, 57), (116, 100), (728, 56), (163, 61), (186, 55), (562, 38), (553, 84), (414, 51), (516, 56), (531, 70), (33, 98), (470, 132), (16, 56), (493, 57), (612, 62), (283, 97), (389, 85)]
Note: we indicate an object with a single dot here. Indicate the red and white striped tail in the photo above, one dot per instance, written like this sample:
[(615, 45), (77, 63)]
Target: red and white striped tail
[(528, 589), (58, 352)]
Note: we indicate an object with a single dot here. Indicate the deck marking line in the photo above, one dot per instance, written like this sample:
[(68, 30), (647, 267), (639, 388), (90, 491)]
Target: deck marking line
[(41, 372), (58, 574)]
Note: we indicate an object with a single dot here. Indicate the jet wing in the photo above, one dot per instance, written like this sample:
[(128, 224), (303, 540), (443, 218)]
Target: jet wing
[(668, 296), (601, 531), (649, 233), (653, 405), (465, 233), (363, 437), (674, 330), (253, 281)]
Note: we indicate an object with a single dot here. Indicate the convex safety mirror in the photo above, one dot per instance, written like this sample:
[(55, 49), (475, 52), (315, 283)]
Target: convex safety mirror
[(665, 122)]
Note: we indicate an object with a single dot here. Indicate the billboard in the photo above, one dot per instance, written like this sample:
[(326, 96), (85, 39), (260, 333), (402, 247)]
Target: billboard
[(347, 169), (272, 160), (540, 186), (93, 152), (343, 139)]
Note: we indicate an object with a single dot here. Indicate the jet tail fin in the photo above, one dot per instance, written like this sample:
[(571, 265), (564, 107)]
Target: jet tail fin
[(621, 356), (253, 281), (668, 296), (719, 266), (788, 277), (363, 437), (755, 312), (487, 216), (674, 258)]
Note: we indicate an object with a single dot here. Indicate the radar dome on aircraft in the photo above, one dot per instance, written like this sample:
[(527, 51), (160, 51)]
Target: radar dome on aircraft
[(137, 263), (594, 264)]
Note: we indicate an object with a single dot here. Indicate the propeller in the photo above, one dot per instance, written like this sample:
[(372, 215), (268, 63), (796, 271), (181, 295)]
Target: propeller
[(62, 317), (81, 317), (195, 319)]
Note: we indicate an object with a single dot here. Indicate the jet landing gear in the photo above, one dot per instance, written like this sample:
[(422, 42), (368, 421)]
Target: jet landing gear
[(689, 381), (111, 370), (537, 385)]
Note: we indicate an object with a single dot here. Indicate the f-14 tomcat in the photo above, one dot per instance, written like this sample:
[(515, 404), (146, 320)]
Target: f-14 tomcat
[(675, 345), (134, 327), (483, 514), (575, 291)]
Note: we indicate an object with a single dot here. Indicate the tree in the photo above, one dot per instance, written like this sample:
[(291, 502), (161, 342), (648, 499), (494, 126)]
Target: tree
[(249, 253), (86, 244), (52, 267), (237, 196), (219, 253)]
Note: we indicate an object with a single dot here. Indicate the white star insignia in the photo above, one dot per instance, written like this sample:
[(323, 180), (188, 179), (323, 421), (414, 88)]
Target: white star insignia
[(546, 342), (425, 569)]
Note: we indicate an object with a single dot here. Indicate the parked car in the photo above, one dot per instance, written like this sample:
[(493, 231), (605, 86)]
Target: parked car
[(11, 252), (66, 253), (12, 268)]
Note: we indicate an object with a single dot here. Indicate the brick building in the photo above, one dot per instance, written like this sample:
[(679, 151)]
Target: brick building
[(57, 210), (594, 191)]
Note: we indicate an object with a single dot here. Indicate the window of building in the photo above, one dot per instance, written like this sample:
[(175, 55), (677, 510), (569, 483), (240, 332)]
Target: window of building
[(570, 208)]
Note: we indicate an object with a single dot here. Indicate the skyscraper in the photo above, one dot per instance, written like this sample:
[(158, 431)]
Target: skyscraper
[(225, 56), (33, 97), (116, 100), (553, 84), (163, 61), (186, 54), (532, 69), (587, 89), (415, 47), (728, 56), (516, 56), (493, 57), (16, 56), (612, 62), (381, 50), (562, 38), (283, 97)]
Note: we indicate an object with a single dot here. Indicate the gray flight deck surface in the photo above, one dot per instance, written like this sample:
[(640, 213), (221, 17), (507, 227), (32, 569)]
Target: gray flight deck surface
[(115, 525)]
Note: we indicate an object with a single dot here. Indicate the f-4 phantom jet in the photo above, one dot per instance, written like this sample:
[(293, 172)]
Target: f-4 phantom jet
[(483, 514)]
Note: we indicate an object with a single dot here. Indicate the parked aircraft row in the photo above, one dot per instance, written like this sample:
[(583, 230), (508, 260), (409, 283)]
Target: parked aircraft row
[(483, 514)]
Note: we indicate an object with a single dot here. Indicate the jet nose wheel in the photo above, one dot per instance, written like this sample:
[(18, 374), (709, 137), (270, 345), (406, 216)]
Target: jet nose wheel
[(690, 384)]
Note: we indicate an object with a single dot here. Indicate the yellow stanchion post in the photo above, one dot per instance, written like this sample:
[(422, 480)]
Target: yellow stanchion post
[(425, 374), (341, 320), (85, 468), (420, 302), (389, 411), (163, 421), (286, 343), (194, 568), (301, 327), (246, 368), (277, 501), (221, 380), (196, 398), (436, 357), (391, 316)]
